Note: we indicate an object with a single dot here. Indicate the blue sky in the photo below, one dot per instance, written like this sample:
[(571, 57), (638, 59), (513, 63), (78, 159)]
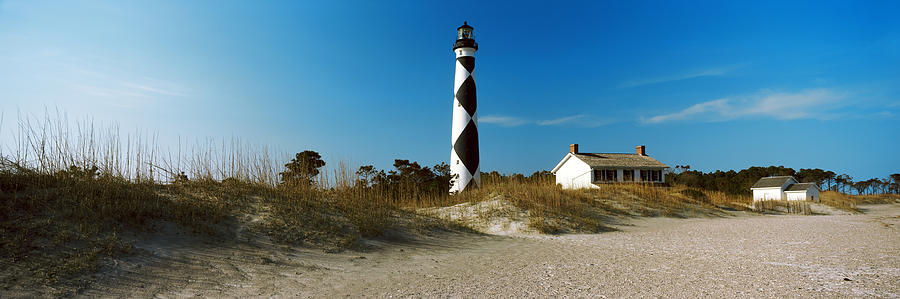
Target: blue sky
[(714, 85)]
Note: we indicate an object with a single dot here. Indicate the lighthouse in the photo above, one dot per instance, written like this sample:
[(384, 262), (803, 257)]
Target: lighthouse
[(464, 160)]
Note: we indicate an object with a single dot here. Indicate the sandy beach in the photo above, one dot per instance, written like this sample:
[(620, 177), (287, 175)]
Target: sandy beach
[(747, 256), (437, 149)]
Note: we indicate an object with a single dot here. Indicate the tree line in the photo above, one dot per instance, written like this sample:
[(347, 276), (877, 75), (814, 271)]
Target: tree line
[(739, 182), (407, 177)]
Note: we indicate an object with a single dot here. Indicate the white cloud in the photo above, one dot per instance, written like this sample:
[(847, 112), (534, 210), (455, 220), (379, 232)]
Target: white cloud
[(506, 121), (109, 92), (154, 89), (811, 103), (559, 121), (581, 120), (121, 88), (101, 77), (118, 97), (684, 76), (718, 106)]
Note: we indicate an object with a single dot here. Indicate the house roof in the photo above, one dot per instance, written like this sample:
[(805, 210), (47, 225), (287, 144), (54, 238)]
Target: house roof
[(800, 186), (619, 160), (772, 181)]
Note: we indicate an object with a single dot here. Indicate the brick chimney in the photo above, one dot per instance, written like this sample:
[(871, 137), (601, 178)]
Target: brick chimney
[(573, 148), (640, 150)]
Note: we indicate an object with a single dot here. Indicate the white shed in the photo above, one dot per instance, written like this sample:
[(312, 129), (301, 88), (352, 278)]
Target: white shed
[(587, 170), (803, 191), (784, 188)]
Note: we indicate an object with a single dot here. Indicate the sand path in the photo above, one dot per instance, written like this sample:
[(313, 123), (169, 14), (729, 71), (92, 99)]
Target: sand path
[(752, 256)]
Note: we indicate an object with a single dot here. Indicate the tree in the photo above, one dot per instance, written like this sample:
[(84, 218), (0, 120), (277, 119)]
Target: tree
[(732, 182), (443, 177), (885, 186), (542, 176), (861, 187), (302, 169), (874, 185), (843, 181), (493, 176), (365, 174), (408, 178), (410, 173), (829, 180), (817, 176), (896, 184)]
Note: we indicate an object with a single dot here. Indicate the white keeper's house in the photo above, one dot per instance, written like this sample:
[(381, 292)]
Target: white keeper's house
[(589, 170), (784, 188)]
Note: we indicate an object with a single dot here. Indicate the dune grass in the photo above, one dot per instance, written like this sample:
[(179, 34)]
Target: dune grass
[(552, 209), (849, 202), (54, 225), (69, 191), (783, 206)]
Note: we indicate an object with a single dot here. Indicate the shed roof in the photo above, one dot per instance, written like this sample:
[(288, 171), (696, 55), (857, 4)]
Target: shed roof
[(800, 187), (772, 181), (619, 160)]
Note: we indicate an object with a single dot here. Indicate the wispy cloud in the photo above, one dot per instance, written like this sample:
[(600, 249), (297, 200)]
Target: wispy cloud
[(811, 103), (719, 106), (505, 121), (109, 92), (102, 78), (719, 71), (122, 89), (559, 121), (124, 93), (115, 96), (582, 120), (154, 89)]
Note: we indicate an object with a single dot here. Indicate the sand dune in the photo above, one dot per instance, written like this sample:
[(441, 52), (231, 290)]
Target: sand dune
[(748, 256)]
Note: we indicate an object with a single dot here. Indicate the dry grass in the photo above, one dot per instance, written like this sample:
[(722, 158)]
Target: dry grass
[(55, 226), (552, 209), (849, 202), (841, 201), (69, 190), (782, 206)]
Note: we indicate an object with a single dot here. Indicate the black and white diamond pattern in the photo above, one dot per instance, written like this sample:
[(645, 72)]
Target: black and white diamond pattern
[(464, 158)]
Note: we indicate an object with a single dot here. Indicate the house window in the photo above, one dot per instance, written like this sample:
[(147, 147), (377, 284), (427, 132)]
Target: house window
[(604, 175), (628, 175), (610, 175), (651, 175)]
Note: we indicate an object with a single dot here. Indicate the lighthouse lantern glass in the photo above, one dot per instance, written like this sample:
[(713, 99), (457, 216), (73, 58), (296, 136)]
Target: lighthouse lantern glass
[(465, 33)]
